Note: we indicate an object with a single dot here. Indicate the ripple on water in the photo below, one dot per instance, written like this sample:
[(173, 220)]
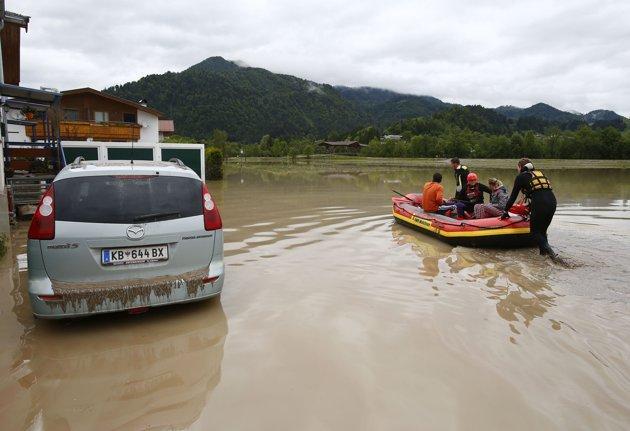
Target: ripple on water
[(354, 312)]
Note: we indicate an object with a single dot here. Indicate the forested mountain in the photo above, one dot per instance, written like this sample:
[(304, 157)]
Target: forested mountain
[(250, 102), (246, 102), (474, 118), (601, 115), (385, 107), (539, 110), (475, 131), (509, 111), (547, 115)]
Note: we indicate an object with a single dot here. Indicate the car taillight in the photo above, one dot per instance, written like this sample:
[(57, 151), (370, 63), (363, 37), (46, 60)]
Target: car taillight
[(43, 222), (207, 280), (211, 216)]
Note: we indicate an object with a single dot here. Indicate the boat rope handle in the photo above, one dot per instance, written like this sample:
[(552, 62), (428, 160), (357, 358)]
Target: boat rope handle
[(482, 227)]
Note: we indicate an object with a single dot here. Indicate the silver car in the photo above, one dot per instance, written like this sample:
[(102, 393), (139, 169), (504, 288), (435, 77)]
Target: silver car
[(111, 236)]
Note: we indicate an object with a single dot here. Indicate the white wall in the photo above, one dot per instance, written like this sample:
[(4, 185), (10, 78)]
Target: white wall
[(157, 149), (150, 127)]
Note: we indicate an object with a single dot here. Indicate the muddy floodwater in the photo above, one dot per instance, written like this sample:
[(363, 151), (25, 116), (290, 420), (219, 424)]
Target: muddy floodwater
[(335, 317)]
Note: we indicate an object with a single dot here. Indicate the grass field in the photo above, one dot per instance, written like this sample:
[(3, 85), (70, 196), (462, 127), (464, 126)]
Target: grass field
[(340, 160)]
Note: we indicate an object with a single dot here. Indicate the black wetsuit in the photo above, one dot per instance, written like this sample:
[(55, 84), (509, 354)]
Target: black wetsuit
[(542, 208), (461, 179)]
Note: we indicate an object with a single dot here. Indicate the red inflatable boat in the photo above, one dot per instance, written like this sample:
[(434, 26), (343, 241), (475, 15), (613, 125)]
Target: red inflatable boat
[(488, 232)]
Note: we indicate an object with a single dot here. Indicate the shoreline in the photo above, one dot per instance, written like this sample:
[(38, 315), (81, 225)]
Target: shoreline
[(352, 161)]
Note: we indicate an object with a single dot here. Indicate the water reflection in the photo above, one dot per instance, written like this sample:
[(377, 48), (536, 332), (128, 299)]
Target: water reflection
[(430, 250), (117, 371), (519, 289), (334, 310)]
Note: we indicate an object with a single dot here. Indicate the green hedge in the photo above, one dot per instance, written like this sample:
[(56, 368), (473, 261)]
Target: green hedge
[(214, 164)]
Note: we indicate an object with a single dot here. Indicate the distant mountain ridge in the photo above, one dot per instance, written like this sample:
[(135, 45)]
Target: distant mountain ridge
[(214, 64), (384, 107), (246, 102), (250, 102), (549, 113)]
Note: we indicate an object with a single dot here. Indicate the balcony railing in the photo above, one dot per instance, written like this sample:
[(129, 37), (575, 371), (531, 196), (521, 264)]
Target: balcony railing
[(83, 130)]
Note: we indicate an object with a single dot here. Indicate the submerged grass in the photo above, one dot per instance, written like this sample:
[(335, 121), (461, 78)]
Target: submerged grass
[(340, 160)]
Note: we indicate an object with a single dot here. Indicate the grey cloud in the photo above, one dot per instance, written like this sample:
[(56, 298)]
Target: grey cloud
[(574, 55)]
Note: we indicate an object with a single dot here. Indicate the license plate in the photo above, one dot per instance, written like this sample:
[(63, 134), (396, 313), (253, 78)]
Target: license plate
[(131, 255)]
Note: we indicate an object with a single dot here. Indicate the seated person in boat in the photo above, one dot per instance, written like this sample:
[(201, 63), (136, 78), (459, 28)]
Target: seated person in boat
[(473, 196), (433, 196), (498, 199)]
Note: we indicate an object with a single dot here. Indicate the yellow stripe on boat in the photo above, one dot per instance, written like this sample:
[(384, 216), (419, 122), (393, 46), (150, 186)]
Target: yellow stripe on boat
[(426, 225)]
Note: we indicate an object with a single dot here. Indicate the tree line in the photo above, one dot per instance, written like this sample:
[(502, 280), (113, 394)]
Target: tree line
[(465, 131), (584, 143)]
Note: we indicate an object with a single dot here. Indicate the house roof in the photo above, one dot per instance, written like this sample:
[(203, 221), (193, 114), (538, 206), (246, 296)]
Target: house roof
[(88, 90), (28, 94), (16, 18), (166, 126)]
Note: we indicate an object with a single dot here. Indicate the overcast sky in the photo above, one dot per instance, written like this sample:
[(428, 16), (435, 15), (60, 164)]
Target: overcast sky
[(572, 54)]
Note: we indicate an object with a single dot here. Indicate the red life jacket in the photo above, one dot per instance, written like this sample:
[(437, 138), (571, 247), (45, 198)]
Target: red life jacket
[(473, 193)]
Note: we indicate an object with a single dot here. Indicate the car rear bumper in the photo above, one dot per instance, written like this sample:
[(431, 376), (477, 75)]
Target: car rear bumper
[(103, 300)]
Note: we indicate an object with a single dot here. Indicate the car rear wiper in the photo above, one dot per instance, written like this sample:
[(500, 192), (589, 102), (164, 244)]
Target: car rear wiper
[(157, 216)]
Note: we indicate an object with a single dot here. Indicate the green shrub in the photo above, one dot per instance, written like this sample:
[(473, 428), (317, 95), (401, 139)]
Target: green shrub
[(214, 164)]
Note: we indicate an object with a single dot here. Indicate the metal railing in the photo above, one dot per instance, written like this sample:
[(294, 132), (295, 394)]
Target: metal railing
[(26, 190)]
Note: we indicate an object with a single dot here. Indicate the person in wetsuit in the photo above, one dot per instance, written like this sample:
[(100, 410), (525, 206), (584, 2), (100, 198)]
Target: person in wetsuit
[(461, 172), (537, 188)]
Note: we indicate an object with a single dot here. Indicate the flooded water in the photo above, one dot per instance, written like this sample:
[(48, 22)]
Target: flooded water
[(334, 317)]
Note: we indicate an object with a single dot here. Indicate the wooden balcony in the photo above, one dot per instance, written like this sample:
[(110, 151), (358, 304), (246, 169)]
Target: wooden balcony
[(82, 130)]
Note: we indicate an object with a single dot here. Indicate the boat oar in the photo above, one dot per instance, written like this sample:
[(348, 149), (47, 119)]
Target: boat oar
[(400, 194)]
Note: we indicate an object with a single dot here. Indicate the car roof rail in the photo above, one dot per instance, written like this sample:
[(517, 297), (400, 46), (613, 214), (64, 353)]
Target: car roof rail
[(178, 162), (78, 160)]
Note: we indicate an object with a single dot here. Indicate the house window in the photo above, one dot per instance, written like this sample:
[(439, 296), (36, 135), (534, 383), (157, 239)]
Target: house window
[(101, 117), (71, 114), (129, 117)]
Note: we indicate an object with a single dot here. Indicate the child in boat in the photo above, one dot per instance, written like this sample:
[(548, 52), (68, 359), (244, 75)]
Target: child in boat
[(473, 196), (498, 199), (433, 196)]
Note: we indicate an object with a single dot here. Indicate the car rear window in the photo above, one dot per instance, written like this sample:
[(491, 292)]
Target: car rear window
[(126, 199)]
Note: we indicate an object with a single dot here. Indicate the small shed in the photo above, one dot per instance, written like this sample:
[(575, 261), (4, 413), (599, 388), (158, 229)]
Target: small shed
[(343, 146)]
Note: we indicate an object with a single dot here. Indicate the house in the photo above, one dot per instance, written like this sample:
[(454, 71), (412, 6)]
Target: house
[(342, 146), (86, 114), (39, 125), (166, 128)]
